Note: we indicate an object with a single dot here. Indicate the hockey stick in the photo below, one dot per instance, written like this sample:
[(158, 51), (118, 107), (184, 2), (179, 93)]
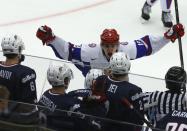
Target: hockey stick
[(179, 39), (126, 102)]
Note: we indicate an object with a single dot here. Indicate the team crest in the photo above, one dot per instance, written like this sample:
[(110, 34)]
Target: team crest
[(124, 43), (92, 45)]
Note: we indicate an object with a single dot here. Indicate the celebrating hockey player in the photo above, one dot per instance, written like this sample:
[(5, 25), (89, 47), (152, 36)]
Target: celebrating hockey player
[(166, 16), (87, 56)]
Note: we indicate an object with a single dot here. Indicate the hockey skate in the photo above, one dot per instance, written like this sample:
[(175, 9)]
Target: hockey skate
[(146, 10), (167, 19)]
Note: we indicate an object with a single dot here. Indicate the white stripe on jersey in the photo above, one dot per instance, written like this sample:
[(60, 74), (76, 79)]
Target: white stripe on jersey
[(161, 103), (167, 101), (173, 101), (179, 102)]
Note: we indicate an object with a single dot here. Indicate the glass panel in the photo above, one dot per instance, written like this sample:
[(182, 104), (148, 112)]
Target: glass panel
[(18, 118)]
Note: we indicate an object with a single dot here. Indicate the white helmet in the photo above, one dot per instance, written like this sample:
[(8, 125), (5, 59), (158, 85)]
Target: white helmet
[(92, 75), (120, 63), (57, 73), (12, 44)]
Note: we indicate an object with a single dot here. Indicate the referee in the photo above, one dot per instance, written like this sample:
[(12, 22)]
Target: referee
[(157, 104)]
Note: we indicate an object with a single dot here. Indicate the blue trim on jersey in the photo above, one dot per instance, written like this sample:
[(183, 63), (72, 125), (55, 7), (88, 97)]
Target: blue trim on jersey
[(84, 69), (168, 3), (55, 51), (141, 49), (79, 67), (76, 53), (152, 1), (147, 41), (87, 67), (70, 50)]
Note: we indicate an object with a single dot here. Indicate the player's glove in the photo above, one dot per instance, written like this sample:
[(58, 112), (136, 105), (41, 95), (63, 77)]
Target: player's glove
[(45, 34), (175, 32), (98, 91)]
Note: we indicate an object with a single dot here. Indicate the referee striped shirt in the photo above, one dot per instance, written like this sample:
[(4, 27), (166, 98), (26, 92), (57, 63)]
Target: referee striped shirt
[(157, 104)]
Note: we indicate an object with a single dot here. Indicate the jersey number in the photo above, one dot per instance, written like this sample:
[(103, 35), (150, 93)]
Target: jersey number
[(172, 126)]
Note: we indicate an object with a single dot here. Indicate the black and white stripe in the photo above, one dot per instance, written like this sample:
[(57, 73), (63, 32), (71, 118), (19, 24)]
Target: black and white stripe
[(157, 104)]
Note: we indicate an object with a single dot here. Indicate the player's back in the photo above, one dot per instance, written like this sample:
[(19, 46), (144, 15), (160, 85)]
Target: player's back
[(57, 101), (174, 121), (15, 78), (56, 107), (116, 92)]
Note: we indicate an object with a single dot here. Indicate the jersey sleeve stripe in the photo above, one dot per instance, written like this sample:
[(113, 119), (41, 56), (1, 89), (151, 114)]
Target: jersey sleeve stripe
[(148, 43)]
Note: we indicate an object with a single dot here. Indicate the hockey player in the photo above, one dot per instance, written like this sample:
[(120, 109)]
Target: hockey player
[(88, 83), (89, 104), (87, 56), (19, 79), (166, 16), (174, 121), (117, 89), (157, 104), (59, 77)]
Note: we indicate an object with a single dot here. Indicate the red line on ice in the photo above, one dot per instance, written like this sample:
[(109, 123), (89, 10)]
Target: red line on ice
[(56, 14)]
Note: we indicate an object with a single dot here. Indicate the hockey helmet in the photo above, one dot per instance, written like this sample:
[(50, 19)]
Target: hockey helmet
[(56, 74), (92, 75), (12, 44), (109, 36), (120, 63), (175, 78)]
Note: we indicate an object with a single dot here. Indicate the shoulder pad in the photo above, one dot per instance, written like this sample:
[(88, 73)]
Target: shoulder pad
[(90, 51)]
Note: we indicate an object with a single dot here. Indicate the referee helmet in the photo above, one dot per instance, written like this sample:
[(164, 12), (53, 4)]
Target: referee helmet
[(176, 78)]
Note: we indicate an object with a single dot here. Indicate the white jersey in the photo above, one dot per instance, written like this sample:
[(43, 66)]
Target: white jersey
[(87, 56), (165, 4)]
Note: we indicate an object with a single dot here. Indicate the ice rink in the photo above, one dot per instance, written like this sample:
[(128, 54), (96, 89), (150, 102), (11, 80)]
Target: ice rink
[(81, 22)]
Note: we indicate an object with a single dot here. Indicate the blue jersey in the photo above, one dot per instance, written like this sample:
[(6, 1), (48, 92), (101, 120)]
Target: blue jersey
[(116, 92), (56, 107), (92, 107), (80, 93), (54, 101), (174, 121), (20, 81), (87, 56)]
